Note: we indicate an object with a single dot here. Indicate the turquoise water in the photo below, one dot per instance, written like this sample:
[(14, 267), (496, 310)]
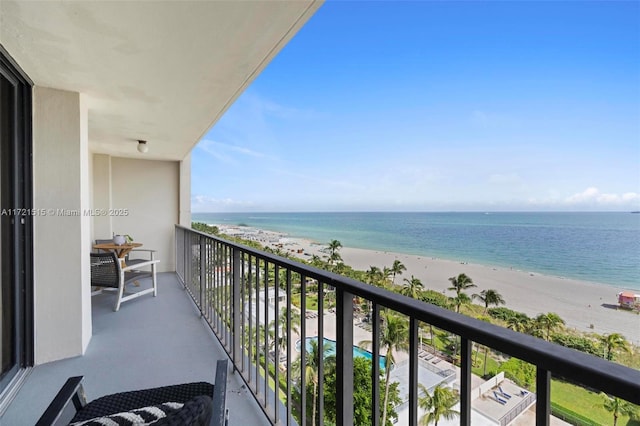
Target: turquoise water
[(599, 247), (357, 352)]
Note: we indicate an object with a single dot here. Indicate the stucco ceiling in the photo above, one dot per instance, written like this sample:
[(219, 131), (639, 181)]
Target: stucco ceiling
[(162, 71)]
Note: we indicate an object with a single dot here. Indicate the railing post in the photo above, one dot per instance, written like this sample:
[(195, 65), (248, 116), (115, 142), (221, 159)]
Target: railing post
[(289, 354), (276, 346), (465, 381), (203, 276), (344, 357), (321, 360), (543, 394), (235, 302), (375, 371), (176, 249), (188, 253), (303, 349), (413, 371)]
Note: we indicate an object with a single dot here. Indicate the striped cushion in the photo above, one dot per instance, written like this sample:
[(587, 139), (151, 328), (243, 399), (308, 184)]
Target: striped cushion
[(138, 417)]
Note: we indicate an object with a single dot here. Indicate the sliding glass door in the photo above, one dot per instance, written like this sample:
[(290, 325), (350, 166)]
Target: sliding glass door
[(7, 297), (16, 300)]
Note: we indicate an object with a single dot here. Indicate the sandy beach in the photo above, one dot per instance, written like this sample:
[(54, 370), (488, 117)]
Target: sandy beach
[(581, 304), (585, 306)]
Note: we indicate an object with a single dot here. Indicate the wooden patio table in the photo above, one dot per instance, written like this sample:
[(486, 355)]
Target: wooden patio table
[(120, 250)]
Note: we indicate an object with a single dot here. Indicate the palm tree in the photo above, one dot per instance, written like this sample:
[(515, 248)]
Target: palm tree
[(396, 269), (317, 261), (386, 273), (330, 298), (394, 336), (617, 406), (475, 361), (374, 275), (461, 299), (449, 340), (612, 342), (334, 246), (334, 256), (412, 287), (549, 322), (438, 404), (312, 365), (489, 297), (431, 333), (281, 341), (461, 282), (484, 365), (519, 323)]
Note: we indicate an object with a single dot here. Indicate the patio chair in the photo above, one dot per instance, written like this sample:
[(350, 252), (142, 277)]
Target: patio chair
[(129, 260), (199, 403), (107, 272)]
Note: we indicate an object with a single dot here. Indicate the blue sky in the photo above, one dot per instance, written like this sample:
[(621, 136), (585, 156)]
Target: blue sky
[(437, 106)]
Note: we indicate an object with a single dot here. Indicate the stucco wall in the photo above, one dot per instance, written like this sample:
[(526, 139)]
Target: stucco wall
[(62, 302), (101, 194), (185, 191), (149, 191)]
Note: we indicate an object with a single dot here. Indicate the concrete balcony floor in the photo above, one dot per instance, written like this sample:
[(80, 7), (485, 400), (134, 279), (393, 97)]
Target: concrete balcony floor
[(149, 342)]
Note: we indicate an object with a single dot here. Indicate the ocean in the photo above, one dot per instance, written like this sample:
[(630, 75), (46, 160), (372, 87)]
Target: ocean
[(602, 248)]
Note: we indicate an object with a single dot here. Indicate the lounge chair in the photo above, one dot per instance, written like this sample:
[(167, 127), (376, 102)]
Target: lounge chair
[(198, 403), (497, 397), (504, 393)]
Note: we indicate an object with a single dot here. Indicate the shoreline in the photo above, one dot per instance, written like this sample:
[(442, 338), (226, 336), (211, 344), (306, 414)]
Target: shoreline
[(583, 305)]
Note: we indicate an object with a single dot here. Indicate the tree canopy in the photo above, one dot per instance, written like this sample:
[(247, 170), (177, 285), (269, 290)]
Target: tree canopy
[(362, 391)]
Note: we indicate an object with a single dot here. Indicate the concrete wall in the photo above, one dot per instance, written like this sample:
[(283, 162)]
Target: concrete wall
[(61, 237), (488, 385), (185, 191), (101, 193), (149, 191)]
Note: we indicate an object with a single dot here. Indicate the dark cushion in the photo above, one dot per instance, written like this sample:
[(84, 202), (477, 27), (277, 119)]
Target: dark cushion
[(139, 416), (127, 401), (195, 412)]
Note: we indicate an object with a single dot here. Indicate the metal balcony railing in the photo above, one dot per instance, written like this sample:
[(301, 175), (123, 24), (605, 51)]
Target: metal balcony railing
[(241, 292)]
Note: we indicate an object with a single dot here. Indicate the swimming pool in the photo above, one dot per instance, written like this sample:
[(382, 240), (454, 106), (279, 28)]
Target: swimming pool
[(357, 352)]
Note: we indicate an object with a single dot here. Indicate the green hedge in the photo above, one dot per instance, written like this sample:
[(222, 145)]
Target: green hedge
[(571, 416)]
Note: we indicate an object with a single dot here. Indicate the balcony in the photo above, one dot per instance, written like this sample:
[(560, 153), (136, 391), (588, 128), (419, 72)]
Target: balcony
[(232, 291), (149, 342), (243, 293)]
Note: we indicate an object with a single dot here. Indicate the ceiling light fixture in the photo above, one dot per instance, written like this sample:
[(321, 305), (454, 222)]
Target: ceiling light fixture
[(142, 146)]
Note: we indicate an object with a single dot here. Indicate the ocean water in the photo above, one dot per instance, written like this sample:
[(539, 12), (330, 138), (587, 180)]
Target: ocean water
[(598, 247)]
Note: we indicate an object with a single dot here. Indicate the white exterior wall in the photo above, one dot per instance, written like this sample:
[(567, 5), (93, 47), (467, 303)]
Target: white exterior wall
[(185, 191), (101, 184), (62, 302), (149, 190)]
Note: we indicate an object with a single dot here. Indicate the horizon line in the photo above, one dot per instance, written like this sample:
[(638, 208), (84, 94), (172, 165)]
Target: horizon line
[(416, 211)]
